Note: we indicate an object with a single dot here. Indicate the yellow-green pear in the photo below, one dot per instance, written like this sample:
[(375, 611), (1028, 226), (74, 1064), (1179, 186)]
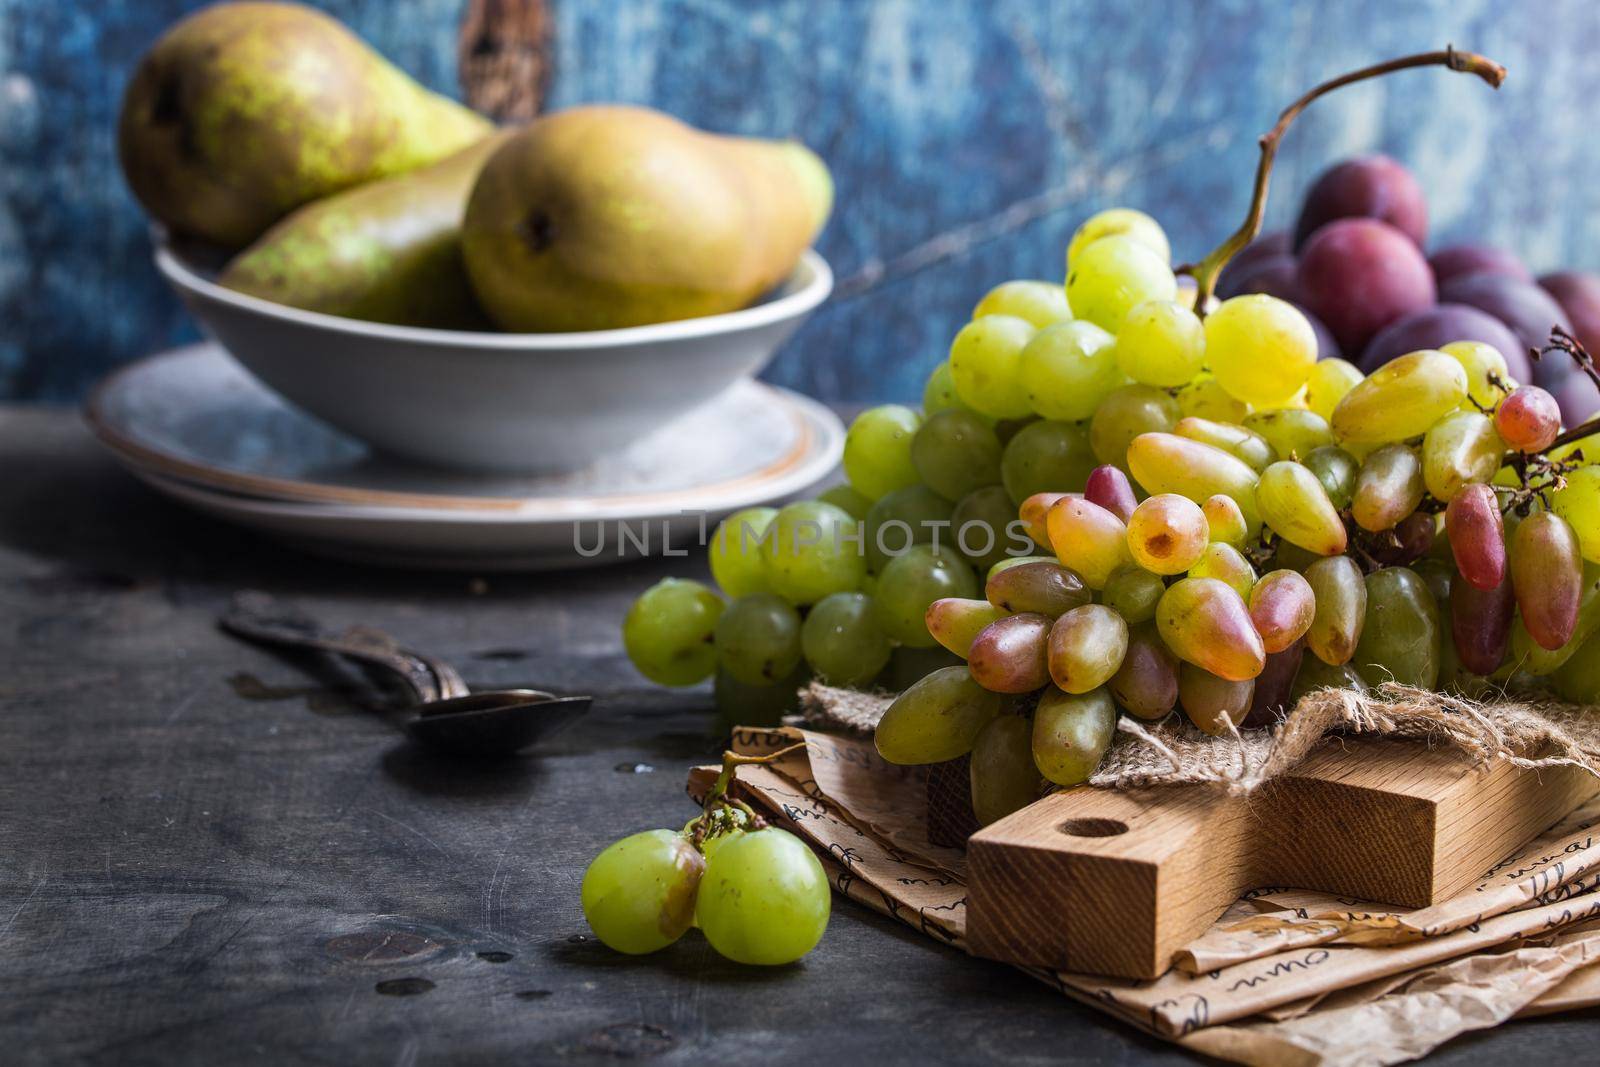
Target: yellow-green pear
[(387, 251), (242, 112), (608, 216)]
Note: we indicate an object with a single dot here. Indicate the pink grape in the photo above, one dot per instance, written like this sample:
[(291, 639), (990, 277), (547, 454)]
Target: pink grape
[(1110, 488), (1547, 574), (1009, 655), (1282, 607), (1529, 419), (1477, 535)]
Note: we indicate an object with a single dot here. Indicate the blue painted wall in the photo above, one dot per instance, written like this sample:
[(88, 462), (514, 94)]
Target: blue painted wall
[(967, 138)]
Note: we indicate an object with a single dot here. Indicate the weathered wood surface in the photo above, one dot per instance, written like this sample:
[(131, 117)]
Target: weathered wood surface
[(968, 138), (1117, 883), (205, 859)]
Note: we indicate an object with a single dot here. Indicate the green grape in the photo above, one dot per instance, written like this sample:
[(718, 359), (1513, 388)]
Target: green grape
[(985, 529), (742, 704), (1292, 432), (1224, 521), (1047, 457), (1233, 439), (955, 622), (1400, 399), (1204, 621), (1327, 384), (1260, 348), (1126, 413), (1314, 674), (1401, 633), (1579, 503), (1119, 220), (1340, 593), (956, 451), (1460, 449), (1228, 565), (764, 898), (908, 666), (911, 516), (1133, 592), (1336, 469), (985, 360), (1205, 398), (1146, 685), (1547, 574), (939, 394), (1010, 654), (1161, 343), (1086, 646), (842, 640), (1112, 276), (1216, 705), (1296, 507), (877, 450), (1068, 369), (1043, 587), (1040, 303), (1002, 774), (1167, 463), (638, 895), (843, 497), (910, 583), (735, 552), (1282, 606), (814, 549), (1167, 533), (758, 639), (1071, 733), (668, 632), (1089, 539), (938, 718), (1389, 487), (1487, 377)]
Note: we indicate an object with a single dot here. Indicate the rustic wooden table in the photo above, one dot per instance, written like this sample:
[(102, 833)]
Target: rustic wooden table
[(206, 858)]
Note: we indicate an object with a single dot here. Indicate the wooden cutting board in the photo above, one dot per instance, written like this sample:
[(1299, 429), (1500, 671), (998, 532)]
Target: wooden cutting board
[(1115, 882)]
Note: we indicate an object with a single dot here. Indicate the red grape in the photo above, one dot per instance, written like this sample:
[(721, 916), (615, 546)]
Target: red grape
[(1547, 574), (1477, 535), (1439, 325), (1358, 275), (1110, 488), (1009, 655), (1376, 187), (1529, 419), (1457, 260), (1273, 685), (1480, 624)]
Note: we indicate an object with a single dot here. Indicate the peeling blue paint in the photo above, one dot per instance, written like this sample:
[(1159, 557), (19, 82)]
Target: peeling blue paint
[(967, 138)]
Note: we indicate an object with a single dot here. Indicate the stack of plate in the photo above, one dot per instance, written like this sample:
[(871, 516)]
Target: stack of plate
[(196, 426)]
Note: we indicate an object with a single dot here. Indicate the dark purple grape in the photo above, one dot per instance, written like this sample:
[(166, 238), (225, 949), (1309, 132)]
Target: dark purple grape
[(1270, 700), (1579, 296), (1480, 624), (1523, 306), (1374, 187), (1327, 344), (1577, 396), (1458, 260), (1273, 275), (1264, 246), (1359, 275), (1440, 325), (1406, 543)]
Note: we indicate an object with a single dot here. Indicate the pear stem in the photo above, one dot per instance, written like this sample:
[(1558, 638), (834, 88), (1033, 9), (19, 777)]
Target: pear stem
[(1205, 272)]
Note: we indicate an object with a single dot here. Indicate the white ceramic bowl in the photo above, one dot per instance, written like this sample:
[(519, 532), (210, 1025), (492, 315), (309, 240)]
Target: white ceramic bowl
[(496, 401)]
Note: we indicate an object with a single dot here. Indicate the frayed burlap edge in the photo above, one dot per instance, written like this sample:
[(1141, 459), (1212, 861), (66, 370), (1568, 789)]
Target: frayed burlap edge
[(1527, 732)]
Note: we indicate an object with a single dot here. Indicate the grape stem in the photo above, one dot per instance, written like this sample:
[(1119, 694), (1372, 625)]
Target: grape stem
[(717, 796), (1562, 341), (1205, 272)]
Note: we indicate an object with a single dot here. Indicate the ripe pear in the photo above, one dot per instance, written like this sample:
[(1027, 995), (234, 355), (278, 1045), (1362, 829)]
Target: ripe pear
[(243, 111), (387, 251), (608, 216)]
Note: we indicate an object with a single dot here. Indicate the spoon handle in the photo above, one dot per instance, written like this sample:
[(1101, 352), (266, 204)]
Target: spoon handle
[(260, 619)]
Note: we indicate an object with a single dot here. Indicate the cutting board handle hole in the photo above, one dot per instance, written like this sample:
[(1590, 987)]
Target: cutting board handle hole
[(1093, 827)]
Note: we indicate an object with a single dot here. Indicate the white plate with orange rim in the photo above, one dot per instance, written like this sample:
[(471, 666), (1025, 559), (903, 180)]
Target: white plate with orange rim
[(196, 426)]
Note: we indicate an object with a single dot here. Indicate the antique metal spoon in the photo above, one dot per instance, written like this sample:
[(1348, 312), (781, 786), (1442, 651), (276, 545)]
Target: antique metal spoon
[(448, 716)]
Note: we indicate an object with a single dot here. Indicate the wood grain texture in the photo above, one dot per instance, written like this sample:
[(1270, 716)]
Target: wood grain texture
[(206, 857), (1115, 883), (968, 138)]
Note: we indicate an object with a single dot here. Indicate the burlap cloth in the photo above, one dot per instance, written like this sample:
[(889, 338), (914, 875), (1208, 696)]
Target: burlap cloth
[(1529, 731)]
